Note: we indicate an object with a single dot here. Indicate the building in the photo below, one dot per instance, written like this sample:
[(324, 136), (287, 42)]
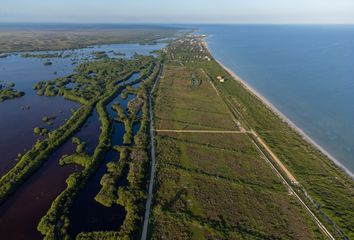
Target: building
[(220, 79)]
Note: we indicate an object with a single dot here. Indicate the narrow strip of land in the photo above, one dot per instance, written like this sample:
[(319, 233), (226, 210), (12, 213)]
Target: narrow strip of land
[(198, 144), (199, 131), (289, 175), (153, 163), (317, 221), (265, 150)]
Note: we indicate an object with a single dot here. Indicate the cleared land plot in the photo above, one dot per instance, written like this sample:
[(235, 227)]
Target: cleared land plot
[(228, 207), (188, 101), (215, 185), (227, 156)]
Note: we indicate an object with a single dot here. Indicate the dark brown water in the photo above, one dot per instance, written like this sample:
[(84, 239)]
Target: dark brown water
[(21, 213), (16, 125)]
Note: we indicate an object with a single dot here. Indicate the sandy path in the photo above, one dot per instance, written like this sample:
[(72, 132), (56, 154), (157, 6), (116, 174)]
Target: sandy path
[(265, 150), (289, 175), (293, 192)]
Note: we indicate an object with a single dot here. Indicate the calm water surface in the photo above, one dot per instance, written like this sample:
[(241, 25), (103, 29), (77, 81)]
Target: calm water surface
[(307, 72), (87, 214), (20, 214), (16, 124)]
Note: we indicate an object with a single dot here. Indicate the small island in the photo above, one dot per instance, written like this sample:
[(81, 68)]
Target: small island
[(7, 91)]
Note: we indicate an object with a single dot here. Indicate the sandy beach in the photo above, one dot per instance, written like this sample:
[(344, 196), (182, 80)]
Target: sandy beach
[(271, 107)]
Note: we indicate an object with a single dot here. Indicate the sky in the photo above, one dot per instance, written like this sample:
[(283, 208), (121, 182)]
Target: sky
[(179, 11)]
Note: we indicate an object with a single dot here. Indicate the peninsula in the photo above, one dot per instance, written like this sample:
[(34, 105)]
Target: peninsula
[(165, 143)]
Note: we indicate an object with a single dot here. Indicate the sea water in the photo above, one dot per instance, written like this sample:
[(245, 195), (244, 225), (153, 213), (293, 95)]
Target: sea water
[(305, 71)]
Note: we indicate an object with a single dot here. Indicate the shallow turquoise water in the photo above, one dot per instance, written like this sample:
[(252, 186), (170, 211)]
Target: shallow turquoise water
[(307, 72)]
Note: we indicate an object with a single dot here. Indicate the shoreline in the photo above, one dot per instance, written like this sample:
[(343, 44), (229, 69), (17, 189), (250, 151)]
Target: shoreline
[(282, 116)]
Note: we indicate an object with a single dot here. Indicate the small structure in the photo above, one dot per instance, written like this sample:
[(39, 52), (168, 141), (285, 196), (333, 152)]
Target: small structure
[(220, 79)]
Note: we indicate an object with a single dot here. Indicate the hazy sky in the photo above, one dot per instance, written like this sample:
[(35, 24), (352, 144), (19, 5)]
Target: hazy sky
[(178, 11)]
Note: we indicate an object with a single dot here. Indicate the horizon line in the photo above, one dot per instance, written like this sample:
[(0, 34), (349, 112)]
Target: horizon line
[(178, 23)]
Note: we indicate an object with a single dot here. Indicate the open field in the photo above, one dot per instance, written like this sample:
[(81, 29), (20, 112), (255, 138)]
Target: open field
[(214, 185), (325, 188), (188, 101), (19, 40), (227, 167)]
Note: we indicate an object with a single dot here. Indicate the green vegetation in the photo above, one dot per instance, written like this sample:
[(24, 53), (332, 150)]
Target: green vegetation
[(7, 91), (214, 185), (60, 39), (119, 54), (100, 55), (92, 89), (80, 146), (201, 110), (40, 152), (47, 63), (49, 119), (80, 157), (45, 55), (40, 131), (329, 188), (115, 170), (55, 224), (135, 159)]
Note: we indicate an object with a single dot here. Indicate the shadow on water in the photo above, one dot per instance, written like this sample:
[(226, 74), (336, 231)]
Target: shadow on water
[(87, 214), (21, 213), (132, 78)]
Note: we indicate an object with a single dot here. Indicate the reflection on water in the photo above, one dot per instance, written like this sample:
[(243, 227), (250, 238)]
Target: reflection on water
[(20, 214), (87, 214)]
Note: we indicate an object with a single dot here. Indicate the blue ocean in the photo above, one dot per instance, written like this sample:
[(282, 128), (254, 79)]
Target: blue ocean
[(305, 71)]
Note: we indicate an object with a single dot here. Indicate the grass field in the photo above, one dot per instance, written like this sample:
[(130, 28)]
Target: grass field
[(187, 100), (325, 188), (214, 185)]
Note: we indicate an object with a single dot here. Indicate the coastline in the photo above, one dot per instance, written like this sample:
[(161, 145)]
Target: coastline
[(277, 112)]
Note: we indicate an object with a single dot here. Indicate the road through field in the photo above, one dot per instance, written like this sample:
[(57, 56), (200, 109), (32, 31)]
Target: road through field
[(274, 162), (198, 131), (265, 150), (317, 221), (153, 162)]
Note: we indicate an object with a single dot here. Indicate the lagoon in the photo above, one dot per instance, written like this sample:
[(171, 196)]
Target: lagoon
[(20, 214)]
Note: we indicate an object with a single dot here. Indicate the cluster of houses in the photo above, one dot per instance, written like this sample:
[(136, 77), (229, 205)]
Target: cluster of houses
[(220, 79)]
